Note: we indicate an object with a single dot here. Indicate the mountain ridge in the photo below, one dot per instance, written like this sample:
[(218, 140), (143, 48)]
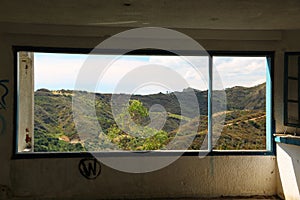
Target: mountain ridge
[(54, 120)]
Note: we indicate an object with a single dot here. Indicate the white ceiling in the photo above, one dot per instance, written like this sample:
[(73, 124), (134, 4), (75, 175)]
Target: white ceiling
[(194, 14)]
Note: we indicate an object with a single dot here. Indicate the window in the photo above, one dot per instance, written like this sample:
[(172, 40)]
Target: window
[(247, 88), (291, 90), (225, 107)]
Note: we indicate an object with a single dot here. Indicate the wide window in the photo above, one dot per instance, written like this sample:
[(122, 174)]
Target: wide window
[(143, 102)]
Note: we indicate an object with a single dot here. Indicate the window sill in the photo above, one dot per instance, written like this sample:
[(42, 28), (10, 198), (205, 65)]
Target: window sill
[(287, 139), (36, 155)]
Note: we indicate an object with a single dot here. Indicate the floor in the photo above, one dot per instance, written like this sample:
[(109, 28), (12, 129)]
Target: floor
[(229, 198), (219, 198)]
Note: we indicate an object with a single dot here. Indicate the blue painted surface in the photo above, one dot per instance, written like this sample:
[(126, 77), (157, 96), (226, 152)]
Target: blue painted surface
[(209, 96), (269, 106), (288, 140)]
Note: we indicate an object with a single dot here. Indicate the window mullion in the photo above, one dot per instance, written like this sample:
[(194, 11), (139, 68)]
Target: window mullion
[(269, 130), (26, 102), (209, 99)]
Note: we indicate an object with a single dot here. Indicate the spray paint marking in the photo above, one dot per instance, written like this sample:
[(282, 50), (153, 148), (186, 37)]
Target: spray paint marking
[(90, 168), (2, 125), (2, 99)]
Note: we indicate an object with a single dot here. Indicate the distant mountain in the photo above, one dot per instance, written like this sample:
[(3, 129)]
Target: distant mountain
[(238, 98), (242, 130), (241, 98), (55, 129)]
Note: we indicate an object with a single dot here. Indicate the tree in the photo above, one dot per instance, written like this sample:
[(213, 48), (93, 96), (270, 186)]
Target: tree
[(137, 110), (132, 135)]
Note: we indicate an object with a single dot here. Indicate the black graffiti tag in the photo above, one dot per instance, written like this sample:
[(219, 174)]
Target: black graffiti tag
[(90, 168), (2, 125), (2, 99)]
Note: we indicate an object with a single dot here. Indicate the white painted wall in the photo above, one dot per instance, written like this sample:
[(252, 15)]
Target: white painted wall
[(288, 161), (188, 177), (26, 80)]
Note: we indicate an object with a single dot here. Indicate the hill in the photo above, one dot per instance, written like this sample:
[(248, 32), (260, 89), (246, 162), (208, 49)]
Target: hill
[(55, 129), (241, 98)]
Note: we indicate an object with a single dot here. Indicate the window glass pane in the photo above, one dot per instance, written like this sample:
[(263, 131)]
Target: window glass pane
[(292, 89), (245, 119), (163, 93), (293, 66), (143, 102), (293, 115), (291, 98)]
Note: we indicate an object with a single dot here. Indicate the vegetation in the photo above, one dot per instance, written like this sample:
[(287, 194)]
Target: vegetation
[(55, 129)]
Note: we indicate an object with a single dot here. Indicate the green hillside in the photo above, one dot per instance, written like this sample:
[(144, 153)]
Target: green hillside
[(244, 122)]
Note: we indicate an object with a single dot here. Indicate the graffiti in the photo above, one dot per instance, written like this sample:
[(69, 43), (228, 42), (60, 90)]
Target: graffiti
[(90, 168), (3, 94), (2, 99), (2, 125), (5, 192)]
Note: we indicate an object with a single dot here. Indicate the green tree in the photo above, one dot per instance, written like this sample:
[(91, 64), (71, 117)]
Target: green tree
[(132, 135), (137, 110)]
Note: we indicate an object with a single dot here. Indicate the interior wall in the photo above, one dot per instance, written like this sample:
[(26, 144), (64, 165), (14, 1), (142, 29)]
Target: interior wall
[(288, 159), (187, 177), (287, 155)]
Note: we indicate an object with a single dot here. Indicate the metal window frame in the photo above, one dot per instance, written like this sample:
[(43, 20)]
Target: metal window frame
[(285, 95), (271, 147)]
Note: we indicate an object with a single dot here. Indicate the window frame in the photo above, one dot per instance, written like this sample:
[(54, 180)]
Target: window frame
[(285, 95), (28, 155)]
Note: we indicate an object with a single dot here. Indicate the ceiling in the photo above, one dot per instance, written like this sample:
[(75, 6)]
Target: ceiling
[(191, 14)]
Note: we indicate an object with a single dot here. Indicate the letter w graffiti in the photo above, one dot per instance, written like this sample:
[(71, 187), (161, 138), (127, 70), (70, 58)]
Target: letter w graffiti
[(89, 168)]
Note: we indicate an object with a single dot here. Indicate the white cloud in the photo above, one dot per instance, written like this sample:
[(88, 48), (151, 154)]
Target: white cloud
[(59, 71), (55, 71), (125, 67), (240, 71)]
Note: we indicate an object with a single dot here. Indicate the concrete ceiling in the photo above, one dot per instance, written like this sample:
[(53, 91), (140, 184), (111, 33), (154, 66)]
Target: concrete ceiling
[(193, 14)]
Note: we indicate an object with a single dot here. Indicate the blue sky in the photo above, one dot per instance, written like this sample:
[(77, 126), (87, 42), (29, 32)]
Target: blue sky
[(127, 74)]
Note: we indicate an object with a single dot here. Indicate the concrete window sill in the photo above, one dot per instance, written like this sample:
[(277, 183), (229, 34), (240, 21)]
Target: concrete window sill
[(287, 139)]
